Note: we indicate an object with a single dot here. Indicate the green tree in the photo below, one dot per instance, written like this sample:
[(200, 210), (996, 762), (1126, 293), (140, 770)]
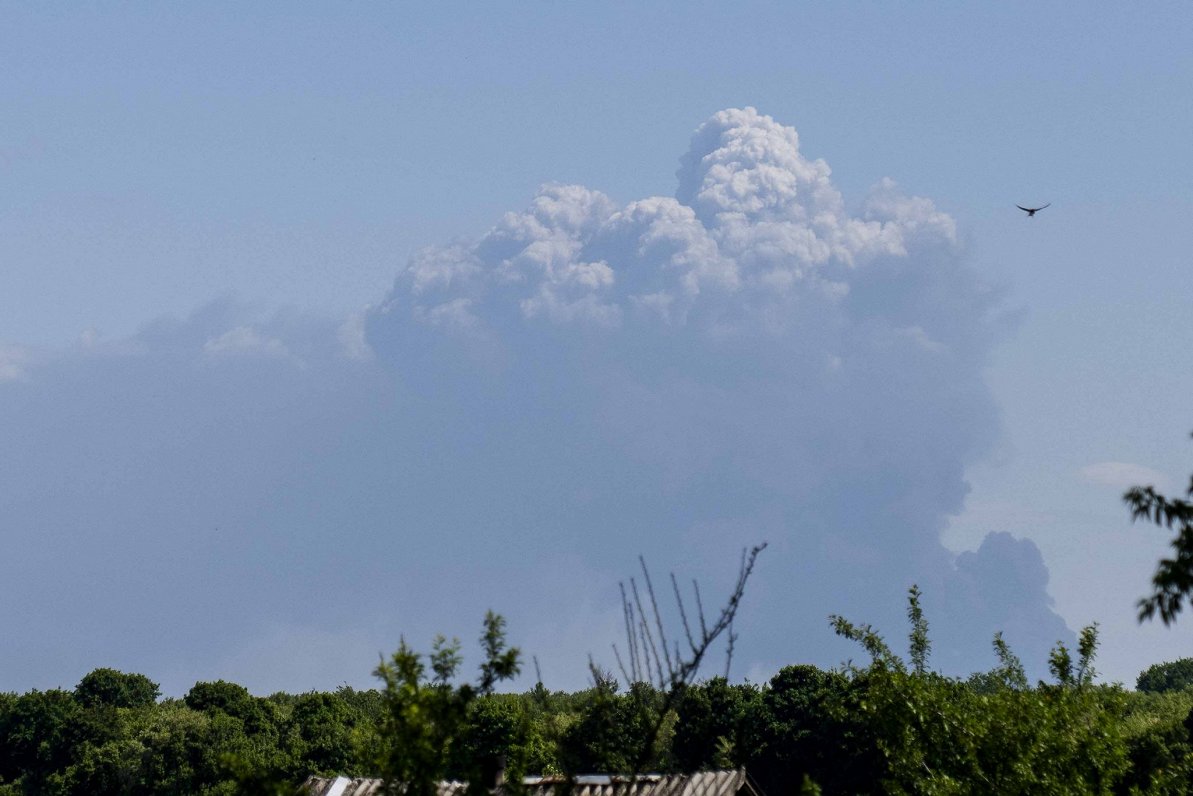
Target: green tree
[(495, 734), (937, 734), (919, 644), (117, 689), (805, 727), (711, 723), (617, 733), (40, 733), (1158, 743), (1171, 676), (549, 714), (1060, 660), (320, 735), (258, 717), (423, 721), (114, 767), (1172, 583), (1008, 675), (222, 696), (179, 755)]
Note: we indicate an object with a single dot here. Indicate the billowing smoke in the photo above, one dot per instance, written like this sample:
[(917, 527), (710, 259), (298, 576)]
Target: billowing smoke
[(747, 360), (519, 418)]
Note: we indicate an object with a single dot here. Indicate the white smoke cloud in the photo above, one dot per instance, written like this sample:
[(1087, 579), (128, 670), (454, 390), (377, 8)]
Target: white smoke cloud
[(753, 353), (756, 228), (517, 419)]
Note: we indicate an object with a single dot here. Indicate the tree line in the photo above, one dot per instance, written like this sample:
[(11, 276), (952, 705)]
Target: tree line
[(891, 725)]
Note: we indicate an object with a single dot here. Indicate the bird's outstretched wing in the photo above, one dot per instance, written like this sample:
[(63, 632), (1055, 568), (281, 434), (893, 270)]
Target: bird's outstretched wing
[(1033, 209)]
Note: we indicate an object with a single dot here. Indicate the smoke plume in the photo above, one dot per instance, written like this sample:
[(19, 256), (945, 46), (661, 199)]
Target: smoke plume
[(512, 424)]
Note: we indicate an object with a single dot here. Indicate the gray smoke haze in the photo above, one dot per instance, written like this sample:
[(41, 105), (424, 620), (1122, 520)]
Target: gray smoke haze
[(264, 497)]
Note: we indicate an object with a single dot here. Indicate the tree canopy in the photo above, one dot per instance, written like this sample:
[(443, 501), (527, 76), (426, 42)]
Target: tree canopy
[(1169, 676)]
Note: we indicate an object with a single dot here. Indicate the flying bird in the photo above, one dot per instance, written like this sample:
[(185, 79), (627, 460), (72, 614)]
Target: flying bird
[(1031, 211)]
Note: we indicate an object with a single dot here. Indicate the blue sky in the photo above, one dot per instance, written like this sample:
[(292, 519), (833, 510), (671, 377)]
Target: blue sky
[(235, 452)]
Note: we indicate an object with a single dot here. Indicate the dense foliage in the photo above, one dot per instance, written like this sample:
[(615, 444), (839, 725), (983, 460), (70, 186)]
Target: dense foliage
[(891, 726), (1170, 676)]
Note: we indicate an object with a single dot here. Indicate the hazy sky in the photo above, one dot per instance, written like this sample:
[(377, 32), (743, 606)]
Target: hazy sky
[(325, 324)]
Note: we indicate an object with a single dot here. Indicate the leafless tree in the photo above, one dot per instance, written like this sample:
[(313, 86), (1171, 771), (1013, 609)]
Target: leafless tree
[(671, 663)]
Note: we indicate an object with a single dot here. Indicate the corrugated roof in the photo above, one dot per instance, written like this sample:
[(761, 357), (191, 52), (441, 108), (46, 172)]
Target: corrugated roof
[(704, 783)]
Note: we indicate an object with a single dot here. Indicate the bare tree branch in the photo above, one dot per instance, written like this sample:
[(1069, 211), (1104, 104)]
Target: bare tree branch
[(658, 617), (628, 610), (732, 640), (621, 665), (699, 607), (680, 671), (644, 627), (683, 615)]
